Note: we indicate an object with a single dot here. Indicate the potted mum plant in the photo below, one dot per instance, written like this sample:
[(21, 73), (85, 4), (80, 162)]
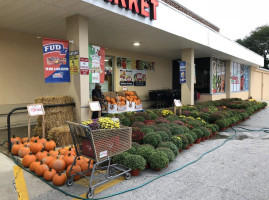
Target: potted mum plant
[(136, 163), (158, 160)]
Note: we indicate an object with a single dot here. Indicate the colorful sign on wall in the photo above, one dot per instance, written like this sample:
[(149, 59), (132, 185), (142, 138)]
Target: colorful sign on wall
[(127, 63), (132, 77), (218, 75), (97, 63), (239, 77), (84, 66), (139, 77), (73, 62), (56, 60), (182, 72)]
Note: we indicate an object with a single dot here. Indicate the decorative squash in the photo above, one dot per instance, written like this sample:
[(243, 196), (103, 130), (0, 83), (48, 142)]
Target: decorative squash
[(15, 148), (107, 99), (33, 165), (40, 169), (27, 144), (41, 154), (58, 164), (75, 169), (25, 139), (80, 160), (42, 140), (23, 151), (86, 167), (62, 150), (73, 153), (59, 179), (47, 159), (50, 145), (69, 159), (49, 174), (36, 147), (15, 139), (54, 153), (34, 138), (28, 160)]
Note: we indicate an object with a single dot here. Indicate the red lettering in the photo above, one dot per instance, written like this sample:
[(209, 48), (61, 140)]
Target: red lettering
[(144, 4), (133, 5), (122, 3), (153, 5)]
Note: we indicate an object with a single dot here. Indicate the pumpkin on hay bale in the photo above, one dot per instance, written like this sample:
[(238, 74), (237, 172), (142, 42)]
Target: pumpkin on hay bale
[(55, 116)]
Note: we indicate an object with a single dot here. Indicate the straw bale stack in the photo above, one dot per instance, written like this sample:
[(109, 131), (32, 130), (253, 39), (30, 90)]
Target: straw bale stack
[(61, 135), (55, 116)]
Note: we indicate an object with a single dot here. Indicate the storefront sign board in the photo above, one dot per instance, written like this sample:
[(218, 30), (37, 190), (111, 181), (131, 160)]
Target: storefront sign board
[(182, 72), (84, 66), (56, 60), (97, 64), (73, 62)]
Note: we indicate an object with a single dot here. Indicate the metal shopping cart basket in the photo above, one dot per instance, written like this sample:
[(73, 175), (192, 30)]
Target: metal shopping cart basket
[(99, 145)]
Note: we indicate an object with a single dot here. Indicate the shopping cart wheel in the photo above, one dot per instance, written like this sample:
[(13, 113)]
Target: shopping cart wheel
[(69, 181), (112, 171), (127, 176), (90, 193)]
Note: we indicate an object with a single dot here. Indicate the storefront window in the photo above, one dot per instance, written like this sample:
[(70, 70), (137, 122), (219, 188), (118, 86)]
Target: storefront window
[(218, 75), (239, 77)]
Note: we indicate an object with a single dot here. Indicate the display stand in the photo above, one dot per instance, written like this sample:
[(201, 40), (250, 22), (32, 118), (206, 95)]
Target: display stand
[(177, 105), (93, 107), (33, 111)]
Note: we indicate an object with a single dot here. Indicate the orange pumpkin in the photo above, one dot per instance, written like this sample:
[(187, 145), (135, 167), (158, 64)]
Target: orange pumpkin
[(107, 99), (58, 164), (36, 147), (25, 139), (112, 100), (54, 153), (15, 148), (47, 159), (122, 98), (128, 98), (23, 151), (75, 169), (69, 159), (86, 167), (49, 174), (80, 160), (50, 145), (40, 169), (70, 150), (33, 165), (28, 160), (27, 144), (42, 140), (15, 139), (41, 154), (59, 179), (34, 138), (62, 150)]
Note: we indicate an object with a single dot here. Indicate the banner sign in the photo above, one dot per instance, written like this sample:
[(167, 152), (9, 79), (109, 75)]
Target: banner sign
[(126, 77), (182, 72), (97, 64), (73, 62), (56, 60), (139, 78), (128, 63), (84, 66)]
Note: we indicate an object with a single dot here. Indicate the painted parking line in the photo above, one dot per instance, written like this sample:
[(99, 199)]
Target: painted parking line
[(101, 188), (20, 183)]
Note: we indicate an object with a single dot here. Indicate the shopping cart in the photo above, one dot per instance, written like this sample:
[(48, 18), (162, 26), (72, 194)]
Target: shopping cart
[(99, 145)]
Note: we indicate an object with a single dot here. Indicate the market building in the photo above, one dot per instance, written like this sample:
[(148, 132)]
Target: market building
[(167, 33)]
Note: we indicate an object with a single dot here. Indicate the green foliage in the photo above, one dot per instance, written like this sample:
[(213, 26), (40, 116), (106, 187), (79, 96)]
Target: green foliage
[(132, 150), (164, 135), (125, 121), (120, 158), (168, 152), (193, 135), (197, 132), (153, 139), (205, 131), (145, 151), (147, 130), (222, 123), (165, 129), (177, 141), (216, 127), (184, 140), (172, 118), (185, 129), (171, 146), (135, 145), (147, 145), (158, 160), (176, 130), (205, 116), (139, 118), (135, 162), (212, 128), (190, 138)]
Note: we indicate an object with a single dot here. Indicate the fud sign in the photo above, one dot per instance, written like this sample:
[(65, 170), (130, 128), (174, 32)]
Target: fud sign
[(145, 8)]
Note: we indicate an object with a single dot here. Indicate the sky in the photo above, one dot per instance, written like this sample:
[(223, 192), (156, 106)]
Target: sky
[(235, 18)]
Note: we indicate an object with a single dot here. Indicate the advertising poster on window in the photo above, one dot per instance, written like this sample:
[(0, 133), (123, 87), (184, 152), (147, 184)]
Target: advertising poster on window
[(96, 63), (182, 72), (218, 76), (56, 60), (126, 77), (246, 77), (139, 77), (73, 62)]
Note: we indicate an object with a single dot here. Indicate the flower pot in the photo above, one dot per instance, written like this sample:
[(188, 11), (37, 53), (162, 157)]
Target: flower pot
[(188, 146), (207, 138), (202, 139), (135, 172), (147, 166), (180, 150), (198, 140), (157, 170), (191, 144)]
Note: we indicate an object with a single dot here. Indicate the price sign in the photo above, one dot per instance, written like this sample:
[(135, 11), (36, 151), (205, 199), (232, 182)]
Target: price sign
[(35, 109), (95, 106), (124, 88), (177, 103)]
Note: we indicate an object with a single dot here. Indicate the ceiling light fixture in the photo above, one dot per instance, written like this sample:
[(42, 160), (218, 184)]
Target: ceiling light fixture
[(136, 44)]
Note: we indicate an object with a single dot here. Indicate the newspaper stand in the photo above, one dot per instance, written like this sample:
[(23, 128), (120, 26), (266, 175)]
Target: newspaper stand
[(99, 146)]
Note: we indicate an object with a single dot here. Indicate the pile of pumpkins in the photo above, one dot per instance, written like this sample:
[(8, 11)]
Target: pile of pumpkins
[(119, 101), (130, 96), (40, 156)]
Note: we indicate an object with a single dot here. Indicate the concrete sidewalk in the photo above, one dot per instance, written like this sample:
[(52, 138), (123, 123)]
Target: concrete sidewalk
[(238, 170)]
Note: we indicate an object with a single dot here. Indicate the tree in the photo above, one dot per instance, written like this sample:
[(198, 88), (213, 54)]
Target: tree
[(258, 41)]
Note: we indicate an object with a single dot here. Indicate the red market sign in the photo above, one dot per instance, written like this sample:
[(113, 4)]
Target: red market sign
[(140, 7)]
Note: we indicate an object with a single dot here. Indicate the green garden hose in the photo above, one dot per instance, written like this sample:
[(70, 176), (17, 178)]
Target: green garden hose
[(134, 188)]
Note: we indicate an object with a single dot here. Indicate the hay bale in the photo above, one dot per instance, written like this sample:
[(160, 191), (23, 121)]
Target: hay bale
[(61, 135), (55, 116)]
